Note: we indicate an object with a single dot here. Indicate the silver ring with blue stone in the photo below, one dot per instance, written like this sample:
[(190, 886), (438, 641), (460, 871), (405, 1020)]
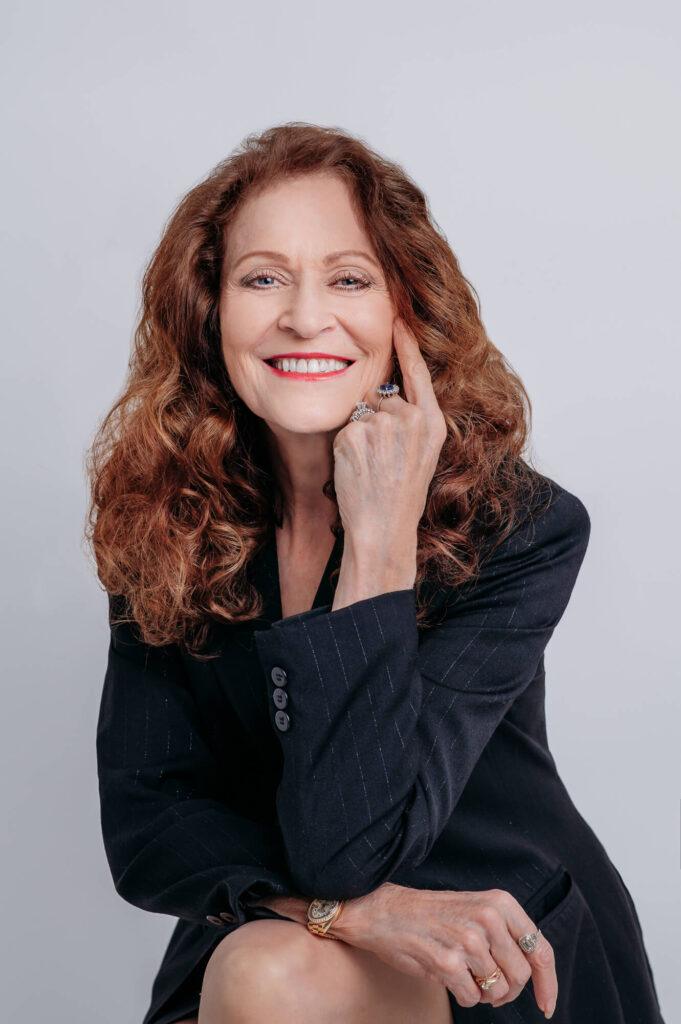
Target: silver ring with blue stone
[(386, 391)]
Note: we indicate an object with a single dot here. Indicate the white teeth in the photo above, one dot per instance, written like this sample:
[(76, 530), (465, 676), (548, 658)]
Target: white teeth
[(310, 365)]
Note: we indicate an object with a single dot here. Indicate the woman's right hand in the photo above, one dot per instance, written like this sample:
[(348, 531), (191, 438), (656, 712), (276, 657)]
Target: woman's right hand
[(449, 937)]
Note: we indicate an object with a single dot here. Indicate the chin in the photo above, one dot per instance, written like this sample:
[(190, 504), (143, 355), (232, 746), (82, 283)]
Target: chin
[(306, 422)]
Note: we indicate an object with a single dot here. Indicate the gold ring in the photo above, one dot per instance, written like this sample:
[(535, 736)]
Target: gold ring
[(487, 982)]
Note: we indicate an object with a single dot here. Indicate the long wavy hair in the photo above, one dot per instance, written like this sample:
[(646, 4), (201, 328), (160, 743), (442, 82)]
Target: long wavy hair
[(182, 491)]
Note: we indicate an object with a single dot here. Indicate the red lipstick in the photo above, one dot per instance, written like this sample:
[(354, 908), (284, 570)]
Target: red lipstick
[(307, 355)]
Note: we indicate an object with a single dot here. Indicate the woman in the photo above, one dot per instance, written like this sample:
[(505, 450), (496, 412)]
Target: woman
[(332, 579)]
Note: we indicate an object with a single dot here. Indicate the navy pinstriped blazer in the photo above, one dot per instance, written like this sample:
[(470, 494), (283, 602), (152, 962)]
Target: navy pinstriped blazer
[(327, 752)]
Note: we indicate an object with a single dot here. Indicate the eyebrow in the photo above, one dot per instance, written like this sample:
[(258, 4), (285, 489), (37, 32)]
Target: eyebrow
[(331, 258)]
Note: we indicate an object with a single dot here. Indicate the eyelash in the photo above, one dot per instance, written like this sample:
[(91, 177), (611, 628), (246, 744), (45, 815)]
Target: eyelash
[(364, 282)]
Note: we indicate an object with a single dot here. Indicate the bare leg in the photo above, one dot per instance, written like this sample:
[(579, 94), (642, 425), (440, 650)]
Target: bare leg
[(277, 971)]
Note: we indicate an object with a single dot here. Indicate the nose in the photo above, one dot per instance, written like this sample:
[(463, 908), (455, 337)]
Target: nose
[(308, 310)]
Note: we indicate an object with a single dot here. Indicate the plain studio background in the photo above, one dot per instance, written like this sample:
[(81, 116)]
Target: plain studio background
[(546, 138)]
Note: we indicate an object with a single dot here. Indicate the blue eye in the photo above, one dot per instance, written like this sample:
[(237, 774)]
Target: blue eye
[(361, 282), (258, 277)]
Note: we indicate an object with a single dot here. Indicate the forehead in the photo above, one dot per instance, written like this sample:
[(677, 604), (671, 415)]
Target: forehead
[(305, 213)]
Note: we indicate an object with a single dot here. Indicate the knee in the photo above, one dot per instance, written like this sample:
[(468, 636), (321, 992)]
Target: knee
[(259, 968), (266, 950)]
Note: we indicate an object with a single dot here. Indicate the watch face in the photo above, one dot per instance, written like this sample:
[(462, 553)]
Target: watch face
[(319, 910)]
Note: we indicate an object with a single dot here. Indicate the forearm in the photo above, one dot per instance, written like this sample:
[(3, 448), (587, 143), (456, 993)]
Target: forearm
[(355, 694)]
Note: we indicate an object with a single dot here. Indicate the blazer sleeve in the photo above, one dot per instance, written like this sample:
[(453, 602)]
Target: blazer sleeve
[(172, 843), (383, 729)]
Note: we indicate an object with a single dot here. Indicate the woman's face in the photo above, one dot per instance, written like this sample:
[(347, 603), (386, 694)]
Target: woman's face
[(287, 292)]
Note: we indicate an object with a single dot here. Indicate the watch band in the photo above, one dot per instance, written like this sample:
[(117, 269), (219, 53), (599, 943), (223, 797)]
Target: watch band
[(321, 914)]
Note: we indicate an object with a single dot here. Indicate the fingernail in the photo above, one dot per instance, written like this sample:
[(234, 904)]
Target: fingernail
[(549, 1015)]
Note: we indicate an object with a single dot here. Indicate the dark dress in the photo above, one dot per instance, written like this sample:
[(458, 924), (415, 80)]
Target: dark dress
[(327, 752)]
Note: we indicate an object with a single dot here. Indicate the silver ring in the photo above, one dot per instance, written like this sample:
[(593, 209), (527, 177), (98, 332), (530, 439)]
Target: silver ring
[(528, 943), (361, 409), (386, 391)]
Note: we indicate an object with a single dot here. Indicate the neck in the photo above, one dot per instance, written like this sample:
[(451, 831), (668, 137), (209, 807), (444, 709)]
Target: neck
[(302, 464)]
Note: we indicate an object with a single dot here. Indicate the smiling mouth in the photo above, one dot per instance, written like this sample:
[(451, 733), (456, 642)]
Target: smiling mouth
[(308, 368)]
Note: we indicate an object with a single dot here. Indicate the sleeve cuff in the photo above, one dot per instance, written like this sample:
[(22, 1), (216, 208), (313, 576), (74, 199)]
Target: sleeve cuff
[(315, 659), (241, 890), (406, 597)]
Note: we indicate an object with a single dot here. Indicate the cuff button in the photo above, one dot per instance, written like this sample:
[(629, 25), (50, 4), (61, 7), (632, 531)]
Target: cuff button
[(280, 697), (227, 917), (282, 721), (278, 676), (213, 919)]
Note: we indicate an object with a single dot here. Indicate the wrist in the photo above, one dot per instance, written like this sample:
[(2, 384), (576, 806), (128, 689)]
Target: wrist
[(367, 547), (363, 917), (369, 570), (347, 925)]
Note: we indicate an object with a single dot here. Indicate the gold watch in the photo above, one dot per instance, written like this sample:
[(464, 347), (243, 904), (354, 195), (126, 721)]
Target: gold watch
[(321, 914)]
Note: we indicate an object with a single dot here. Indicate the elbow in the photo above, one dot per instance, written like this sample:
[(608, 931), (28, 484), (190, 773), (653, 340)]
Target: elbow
[(133, 884), (127, 882), (132, 895), (129, 870)]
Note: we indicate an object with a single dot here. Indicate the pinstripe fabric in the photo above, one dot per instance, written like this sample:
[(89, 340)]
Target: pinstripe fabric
[(415, 756), (385, 734), (174, 844)]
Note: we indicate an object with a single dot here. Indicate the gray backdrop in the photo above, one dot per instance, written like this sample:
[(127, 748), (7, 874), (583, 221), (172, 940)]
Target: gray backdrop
[(546, 137)]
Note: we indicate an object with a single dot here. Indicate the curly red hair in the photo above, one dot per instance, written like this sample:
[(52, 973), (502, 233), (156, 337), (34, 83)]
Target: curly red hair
[(182, 493)]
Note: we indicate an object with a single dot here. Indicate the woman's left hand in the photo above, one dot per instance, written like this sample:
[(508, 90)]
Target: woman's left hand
[(384, 463)]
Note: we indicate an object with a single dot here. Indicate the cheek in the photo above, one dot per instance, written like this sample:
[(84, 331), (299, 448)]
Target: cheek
[(240, 332), (373, 327)]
